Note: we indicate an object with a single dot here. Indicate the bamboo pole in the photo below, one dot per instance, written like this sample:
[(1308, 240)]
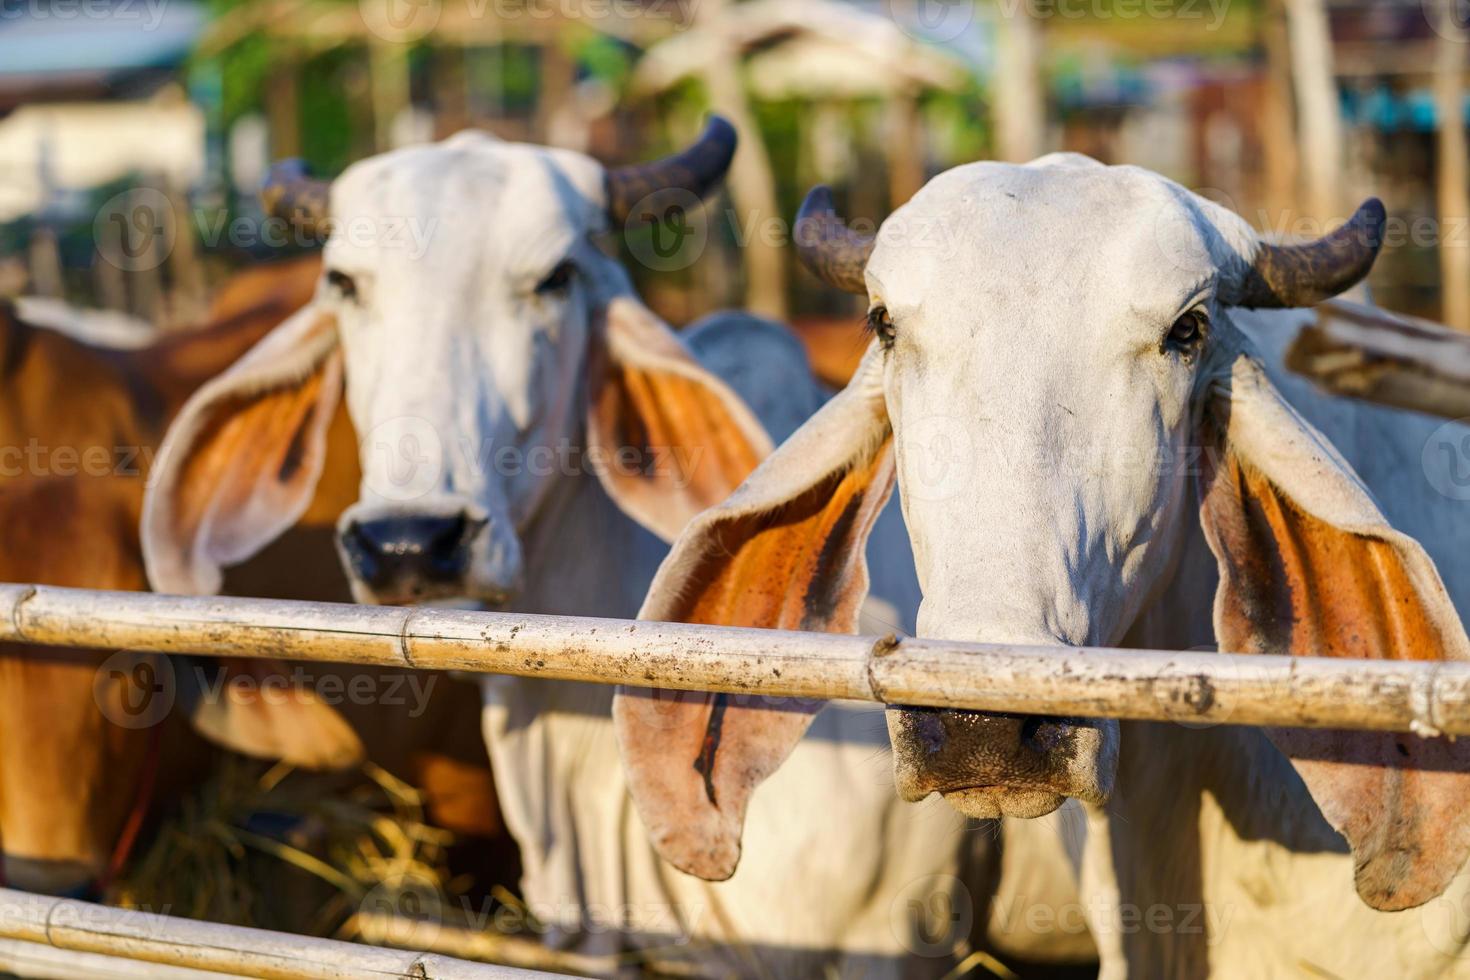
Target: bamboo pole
[(1315, 692), (81, 927), (1452, 163), (489, 946), (1362, 352)]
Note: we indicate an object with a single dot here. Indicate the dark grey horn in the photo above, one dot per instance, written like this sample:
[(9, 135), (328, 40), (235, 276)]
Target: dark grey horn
[(290, 193), (833, 252), (697, 170), (1302, 275)]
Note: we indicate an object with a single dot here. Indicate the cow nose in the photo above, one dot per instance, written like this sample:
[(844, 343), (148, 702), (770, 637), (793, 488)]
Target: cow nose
[(945, 750), (409, 553)]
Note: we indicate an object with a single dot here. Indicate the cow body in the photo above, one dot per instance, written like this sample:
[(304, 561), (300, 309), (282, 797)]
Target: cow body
[(85, 755), (78, 425), (1246, 854)]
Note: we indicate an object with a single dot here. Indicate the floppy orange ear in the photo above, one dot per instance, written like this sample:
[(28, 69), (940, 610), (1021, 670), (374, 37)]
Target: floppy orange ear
[(238, 467), (256, 707), (670, 439), (1310, 567), (785, 551), (241, 461)]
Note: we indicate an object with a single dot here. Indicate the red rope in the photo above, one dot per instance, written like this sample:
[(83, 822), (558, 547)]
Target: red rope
[(134, 825)]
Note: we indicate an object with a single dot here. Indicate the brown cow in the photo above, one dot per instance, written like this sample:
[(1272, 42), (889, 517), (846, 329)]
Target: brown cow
[(83, 755)]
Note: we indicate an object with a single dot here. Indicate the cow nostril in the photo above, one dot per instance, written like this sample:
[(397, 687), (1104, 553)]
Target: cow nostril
[(1041, 734), (409, 552), (448, 536)]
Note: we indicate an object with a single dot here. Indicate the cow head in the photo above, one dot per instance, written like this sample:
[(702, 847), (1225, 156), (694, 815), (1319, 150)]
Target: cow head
[(488, 348), (1053, 349)]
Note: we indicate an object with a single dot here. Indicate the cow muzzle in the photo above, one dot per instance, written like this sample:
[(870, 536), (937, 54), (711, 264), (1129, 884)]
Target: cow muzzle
[(396, 557), (988, 765)]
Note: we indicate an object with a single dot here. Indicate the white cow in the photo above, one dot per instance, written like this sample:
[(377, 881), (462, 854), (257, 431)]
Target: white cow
[(530, 432), (1074, 380)]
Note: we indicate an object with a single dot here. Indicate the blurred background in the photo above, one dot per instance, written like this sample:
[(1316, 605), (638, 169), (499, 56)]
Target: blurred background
[(161, 117)]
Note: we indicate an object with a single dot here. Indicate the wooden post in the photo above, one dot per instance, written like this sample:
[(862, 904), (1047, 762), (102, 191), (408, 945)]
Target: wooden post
[(45, 263), (752, 184), (1454, 170), (1020, 99), (1318, 120), (904, 144), (283, 104), (389, 82), (755, 664), (188, 300), (1277, 126)]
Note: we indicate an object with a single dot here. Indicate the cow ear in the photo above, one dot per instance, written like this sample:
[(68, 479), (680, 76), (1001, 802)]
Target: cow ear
[(241, 461), (1310, 567), (261, 709), (668, 438), (785, 551)]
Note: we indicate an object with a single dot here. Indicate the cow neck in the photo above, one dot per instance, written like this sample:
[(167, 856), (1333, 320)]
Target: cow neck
[(583, 556)]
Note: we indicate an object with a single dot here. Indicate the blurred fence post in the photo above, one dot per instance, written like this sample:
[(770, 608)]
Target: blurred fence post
[(1277, 127), (904, 145), (751, 183), (1319, 123), (1020, 104), (282, 105), (45, 263), (1453, 196), (388, 82)]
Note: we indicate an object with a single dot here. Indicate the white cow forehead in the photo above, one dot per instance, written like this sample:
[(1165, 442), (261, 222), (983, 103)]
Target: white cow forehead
[(1061, 224), (516, 202)]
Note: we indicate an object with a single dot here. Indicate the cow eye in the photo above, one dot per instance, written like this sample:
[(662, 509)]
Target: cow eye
[(342, 283), (559, 279), (880, 325), (1187, 333)]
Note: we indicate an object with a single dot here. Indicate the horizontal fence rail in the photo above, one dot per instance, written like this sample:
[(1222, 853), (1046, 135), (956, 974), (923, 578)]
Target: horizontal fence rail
[(1208, 688), (97, 934)]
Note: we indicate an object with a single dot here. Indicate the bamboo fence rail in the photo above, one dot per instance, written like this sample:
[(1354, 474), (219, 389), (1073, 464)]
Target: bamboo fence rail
[(96, 935), (1208, 688), (1364, 352)]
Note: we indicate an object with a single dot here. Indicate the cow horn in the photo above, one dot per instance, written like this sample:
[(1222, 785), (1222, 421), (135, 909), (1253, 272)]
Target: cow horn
[(1303, 275), (289, 193), (697, 170), (833, 252)]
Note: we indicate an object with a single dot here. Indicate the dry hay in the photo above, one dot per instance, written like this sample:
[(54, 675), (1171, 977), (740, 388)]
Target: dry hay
[(277, 848)]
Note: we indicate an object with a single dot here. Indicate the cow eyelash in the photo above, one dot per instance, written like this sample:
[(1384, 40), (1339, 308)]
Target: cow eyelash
[(558, 279), (880, 325), (344, 284)]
